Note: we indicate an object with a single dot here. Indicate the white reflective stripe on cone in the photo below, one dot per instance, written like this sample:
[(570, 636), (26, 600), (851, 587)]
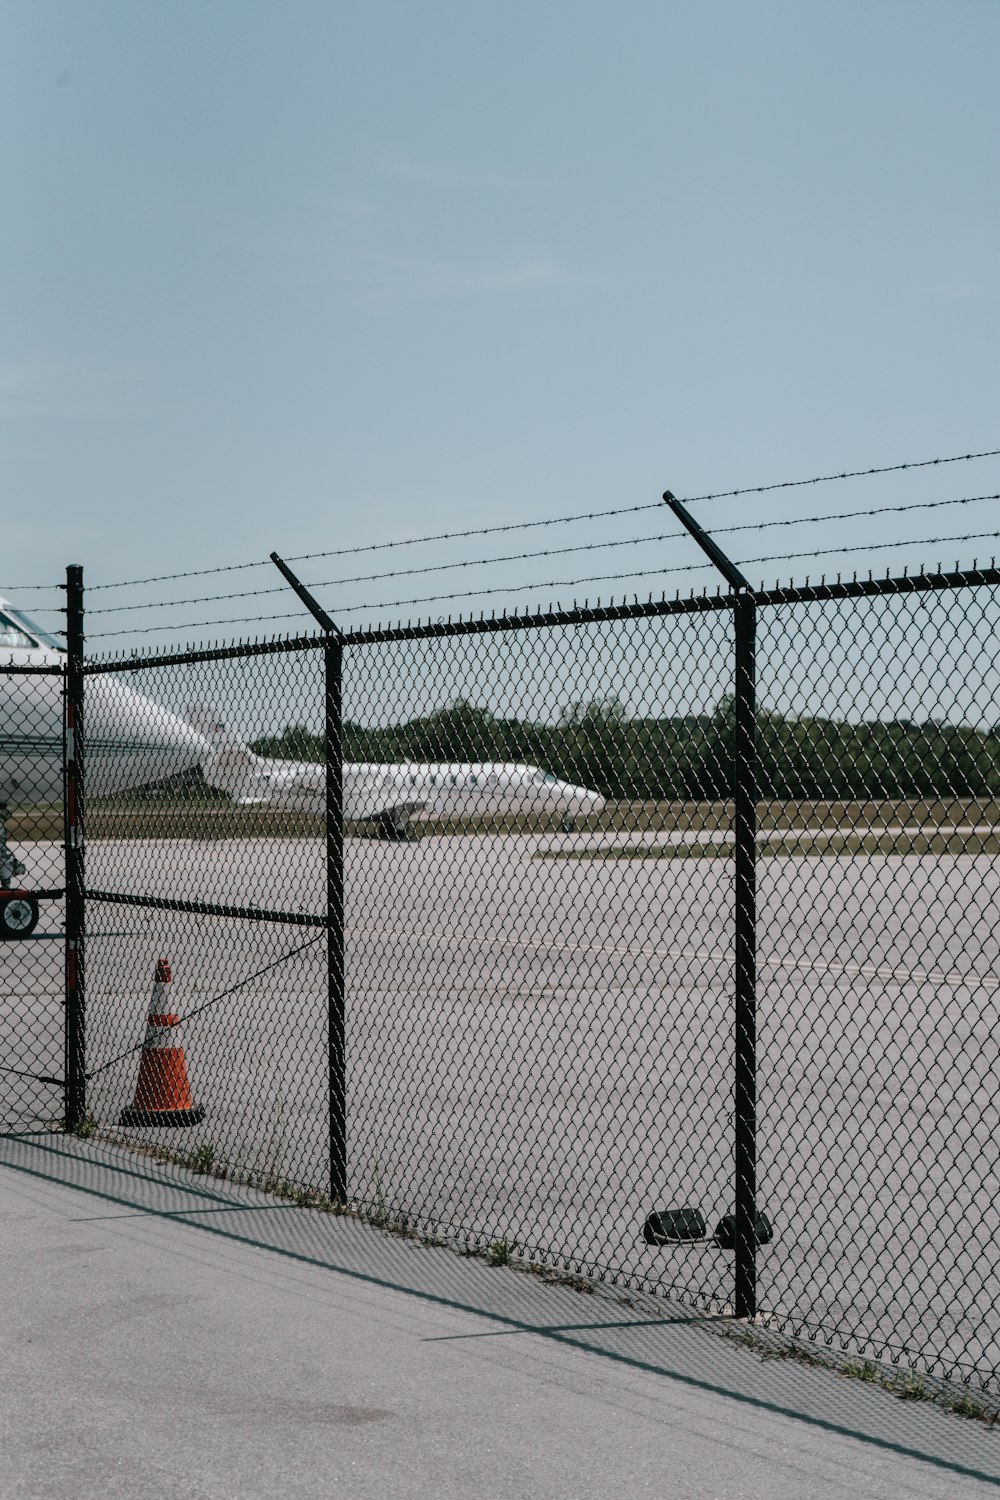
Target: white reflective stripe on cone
[(158, 1028)]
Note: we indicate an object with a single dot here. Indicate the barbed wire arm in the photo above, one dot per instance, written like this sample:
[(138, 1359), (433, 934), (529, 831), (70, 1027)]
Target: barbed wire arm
[(711, 548), (312, 605)]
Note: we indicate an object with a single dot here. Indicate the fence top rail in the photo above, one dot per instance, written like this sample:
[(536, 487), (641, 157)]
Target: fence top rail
[(51, 669), (588, 615), (863, 588), (207, 653), (807, 593)]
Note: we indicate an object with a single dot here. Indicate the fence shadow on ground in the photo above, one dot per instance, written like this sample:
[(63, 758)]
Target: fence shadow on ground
[(647, 1334)]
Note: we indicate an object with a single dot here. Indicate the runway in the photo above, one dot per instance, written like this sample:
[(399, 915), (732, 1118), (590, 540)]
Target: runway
[(540, 1051)]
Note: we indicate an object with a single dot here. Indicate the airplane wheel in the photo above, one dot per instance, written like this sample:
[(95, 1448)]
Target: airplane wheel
[(395, 833), (18, 916), (568, 825)]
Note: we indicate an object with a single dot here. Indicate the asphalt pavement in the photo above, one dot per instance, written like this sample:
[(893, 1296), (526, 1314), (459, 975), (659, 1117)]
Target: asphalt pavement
[(172, 1336)]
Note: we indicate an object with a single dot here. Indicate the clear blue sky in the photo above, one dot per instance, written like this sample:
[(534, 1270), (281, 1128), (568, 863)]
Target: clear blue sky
[(310, 275)]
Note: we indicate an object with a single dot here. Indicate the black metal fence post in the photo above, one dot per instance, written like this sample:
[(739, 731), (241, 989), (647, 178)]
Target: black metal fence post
[(745, 1018), (336, 1033), (74, 1037), (336, 1019), (745, 937)]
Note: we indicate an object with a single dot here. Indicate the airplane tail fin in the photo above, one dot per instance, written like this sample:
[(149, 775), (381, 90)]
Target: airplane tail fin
[(231, 767), (212, 727)]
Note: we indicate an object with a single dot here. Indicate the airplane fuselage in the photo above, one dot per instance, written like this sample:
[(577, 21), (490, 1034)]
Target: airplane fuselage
[(388, 794), (128, 739), (451, 789), (467, 789)]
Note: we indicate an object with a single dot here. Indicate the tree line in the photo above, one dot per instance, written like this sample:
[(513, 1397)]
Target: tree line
[(690, 756)]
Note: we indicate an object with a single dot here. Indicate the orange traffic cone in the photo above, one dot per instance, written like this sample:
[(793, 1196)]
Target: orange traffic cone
[(162, 1094)]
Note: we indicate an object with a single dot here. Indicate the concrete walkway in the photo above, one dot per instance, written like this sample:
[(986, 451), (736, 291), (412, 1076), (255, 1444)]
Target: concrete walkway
[(171, 1337)]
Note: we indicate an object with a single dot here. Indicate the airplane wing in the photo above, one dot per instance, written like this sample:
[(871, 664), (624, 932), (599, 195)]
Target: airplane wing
[(372, 791)]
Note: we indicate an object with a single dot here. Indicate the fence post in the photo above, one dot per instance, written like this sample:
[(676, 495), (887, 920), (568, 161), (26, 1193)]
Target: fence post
[(745, 938), (336, 1025), (333, 660), (745, 1018), (74, 1012)]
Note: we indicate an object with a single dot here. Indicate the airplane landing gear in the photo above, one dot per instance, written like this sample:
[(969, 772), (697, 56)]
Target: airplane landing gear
[(387, 827)]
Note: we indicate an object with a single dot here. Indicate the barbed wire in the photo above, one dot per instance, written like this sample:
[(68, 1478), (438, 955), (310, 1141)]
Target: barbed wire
[(556, 584), (791, 484), (481, 562), (758, 489)]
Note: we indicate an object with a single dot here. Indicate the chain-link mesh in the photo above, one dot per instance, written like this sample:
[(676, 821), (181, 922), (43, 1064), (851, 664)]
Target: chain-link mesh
[(879, 991), (546, 879), (32, 879), (541, 1043), (221, 874)]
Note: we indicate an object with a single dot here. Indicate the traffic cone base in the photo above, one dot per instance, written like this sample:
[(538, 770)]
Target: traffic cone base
[(162, 1093), (133, 1116)]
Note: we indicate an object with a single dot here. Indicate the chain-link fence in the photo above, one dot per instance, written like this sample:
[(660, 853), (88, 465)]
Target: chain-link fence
[(878, 948), (212, 872), (528, 931), (32, 880)]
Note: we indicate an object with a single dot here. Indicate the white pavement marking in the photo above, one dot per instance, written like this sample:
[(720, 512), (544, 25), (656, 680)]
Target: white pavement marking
[(490, 942)]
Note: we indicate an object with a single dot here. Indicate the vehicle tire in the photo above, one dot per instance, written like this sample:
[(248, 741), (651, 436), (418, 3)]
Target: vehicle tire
[(568, 825), (18, 916)]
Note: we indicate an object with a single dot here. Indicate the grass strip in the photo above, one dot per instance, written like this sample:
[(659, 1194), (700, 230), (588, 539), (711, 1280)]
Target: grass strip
[(811, 846)]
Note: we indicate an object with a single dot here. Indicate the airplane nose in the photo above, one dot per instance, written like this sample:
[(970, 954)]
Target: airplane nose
[(583, 800)]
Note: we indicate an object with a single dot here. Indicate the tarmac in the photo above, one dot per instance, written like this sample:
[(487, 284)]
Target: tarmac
[(173, 1336), (541, 1050)]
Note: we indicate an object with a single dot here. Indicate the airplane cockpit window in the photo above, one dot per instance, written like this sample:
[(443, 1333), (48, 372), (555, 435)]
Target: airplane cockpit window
[(40, 635), (11, 637), (545, 776)]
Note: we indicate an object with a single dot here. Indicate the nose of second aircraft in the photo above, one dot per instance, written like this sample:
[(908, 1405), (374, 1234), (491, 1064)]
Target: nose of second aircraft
[(579, 799)]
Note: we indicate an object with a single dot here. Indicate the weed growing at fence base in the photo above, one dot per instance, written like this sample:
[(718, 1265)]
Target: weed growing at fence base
[(203, 1157), (901, 1381), (500, 1252)]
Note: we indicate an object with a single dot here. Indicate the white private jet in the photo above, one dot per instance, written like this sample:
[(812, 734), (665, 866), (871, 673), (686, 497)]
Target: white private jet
[(386, 795), (128, 741)]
